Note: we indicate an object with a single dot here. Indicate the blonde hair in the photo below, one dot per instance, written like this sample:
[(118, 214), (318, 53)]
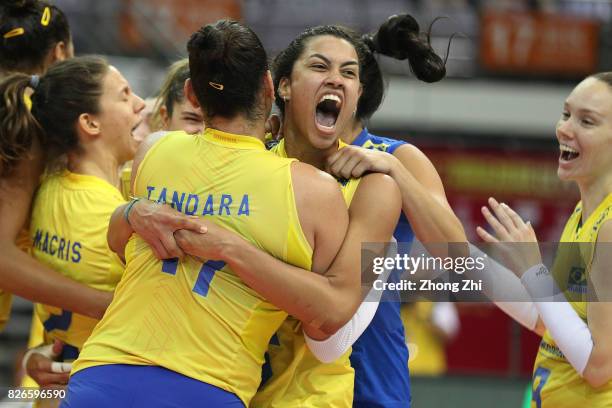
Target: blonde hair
[(171, 92)]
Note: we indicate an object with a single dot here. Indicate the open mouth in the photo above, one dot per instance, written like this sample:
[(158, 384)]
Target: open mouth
[(136, 126), (568, 153), (327, 111)]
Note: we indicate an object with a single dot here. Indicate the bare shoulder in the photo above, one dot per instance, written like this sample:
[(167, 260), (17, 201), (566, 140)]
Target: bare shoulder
[(605, 232), (318, 200), (410, 155), (377, 183), (316, 183), (144, 147)]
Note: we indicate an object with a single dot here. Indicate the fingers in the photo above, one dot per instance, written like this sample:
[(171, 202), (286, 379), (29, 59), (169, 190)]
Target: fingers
[(516, 219), (499, 229), (47, 379), (158, 249), (171, 247), (59, 367), (340, 159), (350, 165), (42, 370), (360, 169), (485, 236), (192, 224), (501, 214)]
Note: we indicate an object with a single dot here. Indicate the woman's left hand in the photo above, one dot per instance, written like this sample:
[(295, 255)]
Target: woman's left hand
[(354, 161), (516, 238)]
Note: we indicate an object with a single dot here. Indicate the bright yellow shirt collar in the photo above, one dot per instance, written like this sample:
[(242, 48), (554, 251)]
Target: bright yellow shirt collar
[(280, 147), (233, 140)]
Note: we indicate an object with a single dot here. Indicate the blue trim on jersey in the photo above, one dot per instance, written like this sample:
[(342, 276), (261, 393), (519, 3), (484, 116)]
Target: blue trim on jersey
[(123, 386), (59, 322), (384, 144), (69, 353), (380, 355)]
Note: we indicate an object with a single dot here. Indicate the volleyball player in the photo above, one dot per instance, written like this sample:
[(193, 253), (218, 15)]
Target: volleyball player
[(184, 332), (573, 366), (34, 35), (382, 378)]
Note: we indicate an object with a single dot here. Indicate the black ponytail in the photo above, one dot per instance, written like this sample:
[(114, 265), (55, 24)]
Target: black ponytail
[(399, 37)]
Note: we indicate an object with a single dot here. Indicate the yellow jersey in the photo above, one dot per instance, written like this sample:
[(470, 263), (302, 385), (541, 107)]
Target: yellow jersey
[(201, 320), (296, 377), (556, 384), (5, 308), (37, 338), (125, 178), (426, 348), (69, 222)]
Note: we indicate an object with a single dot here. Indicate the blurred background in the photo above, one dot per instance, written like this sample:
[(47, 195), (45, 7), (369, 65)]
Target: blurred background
[(488, 128)]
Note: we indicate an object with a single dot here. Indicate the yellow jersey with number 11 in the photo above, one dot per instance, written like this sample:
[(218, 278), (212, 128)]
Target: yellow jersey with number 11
[(200, 319)]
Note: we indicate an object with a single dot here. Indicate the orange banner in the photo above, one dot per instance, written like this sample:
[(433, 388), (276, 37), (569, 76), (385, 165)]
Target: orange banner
[(538, 43), (168, 24)]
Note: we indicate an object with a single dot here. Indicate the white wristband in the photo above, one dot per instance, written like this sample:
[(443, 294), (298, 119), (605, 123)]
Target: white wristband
[(502, 283), (569, 331), (337, 344)]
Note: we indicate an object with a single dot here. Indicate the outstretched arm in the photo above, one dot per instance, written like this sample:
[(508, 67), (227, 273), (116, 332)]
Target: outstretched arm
[(423, 199), (585, 345)]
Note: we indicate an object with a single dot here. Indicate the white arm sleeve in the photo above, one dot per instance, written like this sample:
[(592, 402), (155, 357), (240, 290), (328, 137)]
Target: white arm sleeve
[(337, 344), (445, 317), (569, 331), (500, 283)]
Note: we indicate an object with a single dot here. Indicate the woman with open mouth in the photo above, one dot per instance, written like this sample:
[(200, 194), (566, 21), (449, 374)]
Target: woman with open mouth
[(35, 34), (91, 116), (571, 303), (315, 78)]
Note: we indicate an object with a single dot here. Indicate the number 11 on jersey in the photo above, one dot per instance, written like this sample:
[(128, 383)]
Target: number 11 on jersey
[(205, 276)]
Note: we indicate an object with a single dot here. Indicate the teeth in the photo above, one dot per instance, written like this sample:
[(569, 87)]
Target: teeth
[(330, 97), (566, 148)]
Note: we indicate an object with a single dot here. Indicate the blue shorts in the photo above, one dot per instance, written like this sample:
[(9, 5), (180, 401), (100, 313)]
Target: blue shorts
[(123, 386)]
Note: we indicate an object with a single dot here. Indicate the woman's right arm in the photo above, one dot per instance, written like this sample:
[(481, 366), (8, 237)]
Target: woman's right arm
[(23, 275), (324, 301)]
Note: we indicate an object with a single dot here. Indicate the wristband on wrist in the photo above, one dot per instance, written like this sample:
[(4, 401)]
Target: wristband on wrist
[(541, 285), (128, 208)]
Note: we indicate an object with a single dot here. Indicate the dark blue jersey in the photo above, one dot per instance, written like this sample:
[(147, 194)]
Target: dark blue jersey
[(380, 355)]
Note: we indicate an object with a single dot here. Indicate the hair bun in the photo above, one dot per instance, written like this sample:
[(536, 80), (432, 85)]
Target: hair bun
[(397, 36)]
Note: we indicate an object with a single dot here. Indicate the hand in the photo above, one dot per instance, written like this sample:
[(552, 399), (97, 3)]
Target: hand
[(205, 246), (156, 224), (40, 365), (510, 228), (354, 161)]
